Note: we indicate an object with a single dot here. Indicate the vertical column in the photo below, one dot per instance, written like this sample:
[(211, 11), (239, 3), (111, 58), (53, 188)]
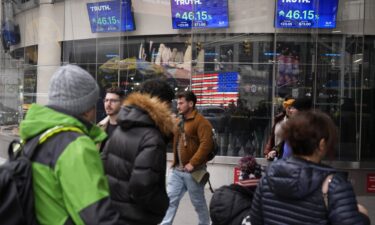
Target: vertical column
[(236, 56), (49, 49), (255, 48)]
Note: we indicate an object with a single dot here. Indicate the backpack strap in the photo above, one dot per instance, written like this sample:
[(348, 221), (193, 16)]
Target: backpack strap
[(55, 130), (13, 148), (40, 139), (16, 148)]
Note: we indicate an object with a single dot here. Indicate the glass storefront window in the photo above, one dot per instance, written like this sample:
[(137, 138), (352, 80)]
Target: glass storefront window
[(240, 72)]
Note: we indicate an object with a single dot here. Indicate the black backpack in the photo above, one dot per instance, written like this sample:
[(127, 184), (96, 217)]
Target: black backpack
[(215, 148), (16, 186), (17, 197)]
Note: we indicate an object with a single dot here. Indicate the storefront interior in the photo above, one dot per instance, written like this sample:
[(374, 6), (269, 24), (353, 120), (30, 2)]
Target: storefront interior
[(255, 71)]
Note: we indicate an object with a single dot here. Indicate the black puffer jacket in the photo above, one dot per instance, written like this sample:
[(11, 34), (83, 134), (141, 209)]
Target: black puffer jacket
[(231, 204), (135, 160), (291, 193)]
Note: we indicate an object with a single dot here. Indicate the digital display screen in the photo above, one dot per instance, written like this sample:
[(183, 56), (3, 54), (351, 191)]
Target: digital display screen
[(199, 14), (306, 13), (111, 16)]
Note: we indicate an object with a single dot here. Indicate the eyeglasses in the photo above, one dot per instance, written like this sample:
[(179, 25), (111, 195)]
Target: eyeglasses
[(111, 100)]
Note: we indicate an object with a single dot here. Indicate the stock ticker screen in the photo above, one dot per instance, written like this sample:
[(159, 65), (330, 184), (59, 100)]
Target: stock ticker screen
[(188, 14), (306, 13), (111, 16)]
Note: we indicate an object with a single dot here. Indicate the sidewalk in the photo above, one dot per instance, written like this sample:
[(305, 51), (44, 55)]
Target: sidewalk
[(186, 214)]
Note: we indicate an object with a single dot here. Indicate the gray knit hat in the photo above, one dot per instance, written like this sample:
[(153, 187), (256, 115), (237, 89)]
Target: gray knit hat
[(73, 89)]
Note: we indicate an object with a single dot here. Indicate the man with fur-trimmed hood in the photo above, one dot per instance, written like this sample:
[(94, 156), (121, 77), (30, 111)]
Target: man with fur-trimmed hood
[(135, 156)]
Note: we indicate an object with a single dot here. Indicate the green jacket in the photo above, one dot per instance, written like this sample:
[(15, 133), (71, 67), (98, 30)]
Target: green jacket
[(68, 178)]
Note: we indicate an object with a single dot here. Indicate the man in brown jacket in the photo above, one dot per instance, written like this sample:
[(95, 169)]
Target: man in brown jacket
[(191, 144)]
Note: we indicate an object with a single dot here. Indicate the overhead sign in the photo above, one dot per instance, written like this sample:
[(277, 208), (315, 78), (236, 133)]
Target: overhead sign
[(111, 16), (306, 13), (199, 14)]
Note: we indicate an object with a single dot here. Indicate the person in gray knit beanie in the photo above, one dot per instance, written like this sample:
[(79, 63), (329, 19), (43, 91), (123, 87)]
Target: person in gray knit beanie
[(73, 89), (66, 126)]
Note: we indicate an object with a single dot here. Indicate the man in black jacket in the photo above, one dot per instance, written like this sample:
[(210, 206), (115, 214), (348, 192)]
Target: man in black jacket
[(135, 156)]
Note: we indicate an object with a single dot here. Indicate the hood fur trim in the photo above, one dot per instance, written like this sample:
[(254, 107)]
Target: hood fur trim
[(158, 111)]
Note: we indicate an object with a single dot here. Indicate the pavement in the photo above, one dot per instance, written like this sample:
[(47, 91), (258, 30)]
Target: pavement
[(186, 214)]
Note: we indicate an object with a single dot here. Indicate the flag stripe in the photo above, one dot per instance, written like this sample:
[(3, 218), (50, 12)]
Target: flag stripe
[(216, 88)]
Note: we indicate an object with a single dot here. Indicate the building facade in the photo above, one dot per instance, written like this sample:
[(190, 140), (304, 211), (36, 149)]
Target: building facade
[(241, 67)]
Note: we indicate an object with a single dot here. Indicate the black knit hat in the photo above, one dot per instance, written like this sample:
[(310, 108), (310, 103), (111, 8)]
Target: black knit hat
[(302, 104)]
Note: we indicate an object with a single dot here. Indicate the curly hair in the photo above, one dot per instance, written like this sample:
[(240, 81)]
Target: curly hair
[(158, 88), (248, 165), (305, 131)]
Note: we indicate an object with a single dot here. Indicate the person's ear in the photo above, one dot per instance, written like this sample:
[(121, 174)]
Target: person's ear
[(89, 115), (85, 114), (322, 147), (191, 104)]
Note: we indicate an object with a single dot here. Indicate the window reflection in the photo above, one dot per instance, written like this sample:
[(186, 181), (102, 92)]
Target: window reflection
[(334, 70)]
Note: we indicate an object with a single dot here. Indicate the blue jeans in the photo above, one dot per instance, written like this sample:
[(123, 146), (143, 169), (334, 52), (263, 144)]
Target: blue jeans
[(178, 183)]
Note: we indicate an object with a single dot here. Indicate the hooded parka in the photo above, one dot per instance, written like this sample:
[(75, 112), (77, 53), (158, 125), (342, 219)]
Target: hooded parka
[(135, 160)]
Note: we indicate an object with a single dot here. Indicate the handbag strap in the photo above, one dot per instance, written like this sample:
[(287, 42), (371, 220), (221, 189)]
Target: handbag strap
[(210, 186), (325, 186)]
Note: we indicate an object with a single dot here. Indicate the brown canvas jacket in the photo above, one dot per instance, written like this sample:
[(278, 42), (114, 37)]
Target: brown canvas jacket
[(198, 131)]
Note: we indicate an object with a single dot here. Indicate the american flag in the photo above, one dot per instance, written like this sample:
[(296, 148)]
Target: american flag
[(216, 88)]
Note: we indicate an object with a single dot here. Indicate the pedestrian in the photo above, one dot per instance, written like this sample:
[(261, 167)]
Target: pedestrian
[(273, 148), (68, 178), (112, 104), (299, 105), (135, 156), (281, 149), (191, 144), (301, 189), (231, 204)]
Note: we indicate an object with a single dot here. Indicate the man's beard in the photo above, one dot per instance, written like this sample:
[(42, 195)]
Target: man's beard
[(112, 112)]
